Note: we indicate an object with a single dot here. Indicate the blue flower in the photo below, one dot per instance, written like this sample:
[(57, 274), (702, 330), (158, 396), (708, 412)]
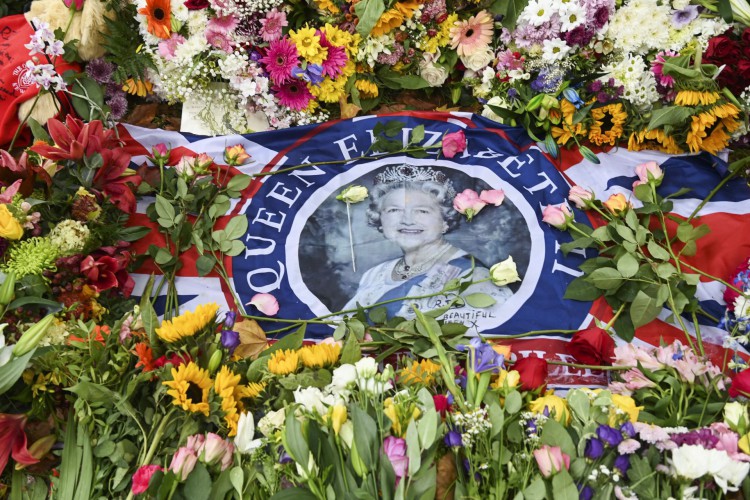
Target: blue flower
[(453, 439), (229, 320), (594, 449), (611, 436), (230, 340), (627, 429), (587, 493), (622, 463), (313, 73), (572, 96)]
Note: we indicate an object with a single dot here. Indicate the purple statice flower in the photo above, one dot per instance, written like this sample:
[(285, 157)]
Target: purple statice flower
[(609, 435), (703, 437), (100, 70), (118, 106), (390, 59), (453, 439), (622, 463), (594, 449), (229, 319), (230, 339), (682, 18)]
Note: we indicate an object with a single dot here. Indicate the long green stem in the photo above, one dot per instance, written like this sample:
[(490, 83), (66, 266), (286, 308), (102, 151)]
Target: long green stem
[(703, 273), (715, 190)]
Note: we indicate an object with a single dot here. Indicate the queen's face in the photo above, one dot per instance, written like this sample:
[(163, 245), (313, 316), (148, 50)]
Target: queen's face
[(411, 219)]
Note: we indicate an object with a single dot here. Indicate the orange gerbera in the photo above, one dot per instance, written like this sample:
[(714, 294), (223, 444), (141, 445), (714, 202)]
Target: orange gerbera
[(157, 13), (145, 357)]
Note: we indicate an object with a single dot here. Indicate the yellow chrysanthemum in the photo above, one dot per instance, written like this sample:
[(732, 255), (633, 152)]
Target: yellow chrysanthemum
[(189, 388), (283, 362), (328, 90), (348, 70), (308, 45), (319, 355), (696, 97), (627, 409), (335, 36), (367, 89), (556, 407), (327, 5), (389, 20), (226, 386), (187, 324), (607, 125), (422, 373), (655, 140)]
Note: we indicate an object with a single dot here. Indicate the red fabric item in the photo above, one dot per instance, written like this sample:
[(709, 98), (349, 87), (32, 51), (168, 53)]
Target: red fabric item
[(16, 86)]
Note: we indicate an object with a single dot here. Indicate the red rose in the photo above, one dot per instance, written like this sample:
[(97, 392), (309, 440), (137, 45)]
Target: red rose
[(196, 4), (441, 404), (592, 346), (533, 372), (176, 359), (743, 66), (746, 36), (722, 49), (740, 384)]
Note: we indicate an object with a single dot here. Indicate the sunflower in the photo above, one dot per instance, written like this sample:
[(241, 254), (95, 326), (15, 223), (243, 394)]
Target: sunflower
[(252, 390), (327, 5), (367, 89), (283, 362), (407, 8), (227, 387), (711, 130), (319, 355), (567, 131), (157, 14), (189, 388), (388, 21), (607, 125), (688, 97), (187, 324), (655, 140), (419, 373)]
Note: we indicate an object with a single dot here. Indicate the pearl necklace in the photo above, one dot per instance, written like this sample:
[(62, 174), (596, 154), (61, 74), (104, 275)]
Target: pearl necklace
[(402, 271)]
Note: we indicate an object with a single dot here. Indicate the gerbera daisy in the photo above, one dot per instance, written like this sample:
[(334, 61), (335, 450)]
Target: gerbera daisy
[(157, 14), (336, 59), (189, 388), (187, 324), (607, 125), (226, 386), (319, 355), (307, 41), (472, 35), (272, 25), (280, 59), (145, 357), (657, 68), (294, 94), (283, 362)]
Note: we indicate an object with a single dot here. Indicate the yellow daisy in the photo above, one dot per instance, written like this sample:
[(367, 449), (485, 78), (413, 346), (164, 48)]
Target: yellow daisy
[(283, 362), (308, 45), (189, 388), (319, 355), (187, 324)]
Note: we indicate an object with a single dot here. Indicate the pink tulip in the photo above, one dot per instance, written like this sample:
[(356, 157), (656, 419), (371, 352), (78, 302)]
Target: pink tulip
[(580, 197), (551, 460), (649, 171), (557, 216), (76, 4), (266, 303), (493, 197), (468, 203), (395, 449), (454, 143), (183, 462)]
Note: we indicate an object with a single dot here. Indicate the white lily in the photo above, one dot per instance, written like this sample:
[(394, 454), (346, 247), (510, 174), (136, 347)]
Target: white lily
[(5, 351), (244, 441)]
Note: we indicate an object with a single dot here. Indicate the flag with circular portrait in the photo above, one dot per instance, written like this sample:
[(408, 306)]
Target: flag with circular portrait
[(405, 242)]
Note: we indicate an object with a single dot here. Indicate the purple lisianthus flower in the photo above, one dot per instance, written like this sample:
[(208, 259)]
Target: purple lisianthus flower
[(229, 319), (594, 449), (453, 439), (284, 457), (587, 493), (682, 18), (611, 436), (230, 340), (622, 463), (628, 430)]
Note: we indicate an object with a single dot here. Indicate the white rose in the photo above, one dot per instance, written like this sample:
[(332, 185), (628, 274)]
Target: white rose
[(735, 415), (271, 422), (434, 74), (498, 102), (311, 399), (504, 272), (478, 60), (343, 377), (353, 194)]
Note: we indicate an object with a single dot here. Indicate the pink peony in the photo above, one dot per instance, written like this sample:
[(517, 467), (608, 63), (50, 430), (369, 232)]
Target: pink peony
[(142, 478), (493, 197), (454, 143), (468, 203), (266, 303)]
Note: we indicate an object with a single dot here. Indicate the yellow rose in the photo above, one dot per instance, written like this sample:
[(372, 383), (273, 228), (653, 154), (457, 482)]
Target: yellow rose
[(625, 404), (556, 406), (10, 228), (616, 203), (512, 378)]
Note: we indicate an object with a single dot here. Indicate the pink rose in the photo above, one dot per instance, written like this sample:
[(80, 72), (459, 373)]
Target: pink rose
[(454, 143), (557, 216), (142, 478), (580, 197), (395, 449), (649, 171), (493, 197), (468, 203), (266, 303), (551, 460), (183, 462), (216, 450)]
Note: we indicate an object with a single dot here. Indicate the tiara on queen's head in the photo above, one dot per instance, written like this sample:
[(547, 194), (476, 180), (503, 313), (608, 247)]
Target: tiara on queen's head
[(411, 173)]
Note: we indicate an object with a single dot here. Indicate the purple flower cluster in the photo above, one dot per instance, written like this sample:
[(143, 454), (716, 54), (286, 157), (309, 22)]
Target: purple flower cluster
[(548, 80), (605, 91)]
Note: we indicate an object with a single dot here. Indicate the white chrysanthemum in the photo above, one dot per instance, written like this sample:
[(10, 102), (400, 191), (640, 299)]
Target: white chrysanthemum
[(179, 11), (554, 50), (197, 21), (538, 12), (572, 16), (639, 83), (639, 26), (742, 306), (69, 236), (694, 461)]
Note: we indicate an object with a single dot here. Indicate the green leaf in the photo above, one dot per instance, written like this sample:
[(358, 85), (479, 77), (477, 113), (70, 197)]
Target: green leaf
[(13, 370), (580, 289), (510, 9), (589, 155), (198, 484), (50, 305), (38, 131), (294, 441), (85, 89), (605, 278), (235, 247), (670, 115), (295, 493), (479, 300), (627, 265), (291, 341), (625, 232), (365, 437), (163, 256), (536, 490), (580, 404), (396, 81), (164, 208), (643, 192), (412, 447), (656, 251), (239, 182), (513, 402), (237, 477), (624, 327), (417, 135), (644, 309), (133, 233), (563, 487), (554, 434), (205, 264), (236, 227), (368, 12), (351, 353)]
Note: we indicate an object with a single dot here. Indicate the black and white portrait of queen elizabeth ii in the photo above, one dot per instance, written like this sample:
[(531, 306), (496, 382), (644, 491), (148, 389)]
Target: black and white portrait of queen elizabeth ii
[(410, 241)]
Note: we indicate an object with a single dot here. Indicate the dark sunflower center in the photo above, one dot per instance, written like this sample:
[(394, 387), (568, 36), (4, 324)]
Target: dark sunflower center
[(606, 123), (159, 14), (469, 32), (194, 393)]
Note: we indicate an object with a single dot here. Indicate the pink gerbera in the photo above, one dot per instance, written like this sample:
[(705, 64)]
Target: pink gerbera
[(336, 60), (657, 67), (472, 35), (272, 25), (293, 95), (280, 59)]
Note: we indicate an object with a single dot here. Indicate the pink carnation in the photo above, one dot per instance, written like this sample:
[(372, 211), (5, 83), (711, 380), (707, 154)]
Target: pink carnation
[(142, 478), (167, 47)]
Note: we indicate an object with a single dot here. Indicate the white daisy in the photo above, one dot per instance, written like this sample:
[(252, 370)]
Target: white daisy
[(572, 15), (554, 50), (538, 12)]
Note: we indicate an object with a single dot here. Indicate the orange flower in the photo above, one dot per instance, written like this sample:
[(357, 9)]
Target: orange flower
[(617, 203), (95, 335), (145, 357), (157, 13)]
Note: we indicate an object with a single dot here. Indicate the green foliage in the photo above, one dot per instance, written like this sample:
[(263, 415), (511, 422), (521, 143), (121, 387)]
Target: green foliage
[(123, 48)]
